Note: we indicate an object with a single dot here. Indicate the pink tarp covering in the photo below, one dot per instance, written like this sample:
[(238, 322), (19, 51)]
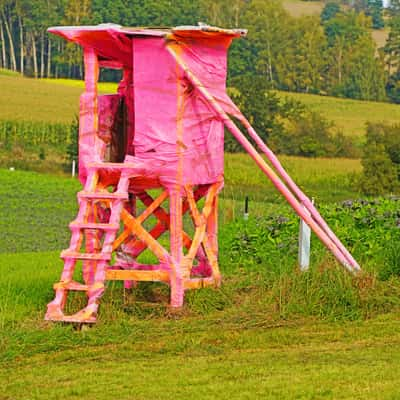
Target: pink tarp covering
[(177, 137), (171, 119)]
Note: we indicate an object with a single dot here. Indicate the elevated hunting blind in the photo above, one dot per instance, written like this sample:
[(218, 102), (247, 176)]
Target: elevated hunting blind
[(162, 131)]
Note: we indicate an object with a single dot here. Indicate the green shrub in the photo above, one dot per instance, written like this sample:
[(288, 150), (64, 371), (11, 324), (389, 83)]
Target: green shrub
[(311, 135), (391, 261), (381, 160)]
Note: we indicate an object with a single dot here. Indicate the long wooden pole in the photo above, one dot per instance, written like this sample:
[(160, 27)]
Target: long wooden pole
[(292, 200)]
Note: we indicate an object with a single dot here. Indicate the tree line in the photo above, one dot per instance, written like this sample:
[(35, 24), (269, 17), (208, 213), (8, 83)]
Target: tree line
[(332, 54)]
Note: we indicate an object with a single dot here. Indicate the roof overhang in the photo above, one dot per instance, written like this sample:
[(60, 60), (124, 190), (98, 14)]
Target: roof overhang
[(112, 42)]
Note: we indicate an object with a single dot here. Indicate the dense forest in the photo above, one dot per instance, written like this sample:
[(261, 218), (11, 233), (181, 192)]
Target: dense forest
[(329, 54)]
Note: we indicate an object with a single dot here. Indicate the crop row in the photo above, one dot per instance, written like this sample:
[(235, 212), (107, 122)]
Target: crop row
[(31, 134)]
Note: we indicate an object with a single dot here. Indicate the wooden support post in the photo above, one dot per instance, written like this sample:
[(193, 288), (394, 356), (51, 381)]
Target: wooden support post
[(177, 284), (91, 147)]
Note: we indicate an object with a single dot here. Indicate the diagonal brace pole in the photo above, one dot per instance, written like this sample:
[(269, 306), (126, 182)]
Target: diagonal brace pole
[(333, 245)]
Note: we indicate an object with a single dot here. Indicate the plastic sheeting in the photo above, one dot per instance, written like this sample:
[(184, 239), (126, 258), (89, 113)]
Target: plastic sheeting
[(176, 136)]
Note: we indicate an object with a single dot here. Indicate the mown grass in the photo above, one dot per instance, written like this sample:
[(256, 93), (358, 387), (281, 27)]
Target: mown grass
[(104, 87), (380, 36), (32, 100), (326, 179), (208, 357), (255, 337), (41, 100)]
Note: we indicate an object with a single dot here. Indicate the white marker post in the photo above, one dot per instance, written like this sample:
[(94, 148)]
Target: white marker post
[(246, 209), (73, 168), (304, 245)]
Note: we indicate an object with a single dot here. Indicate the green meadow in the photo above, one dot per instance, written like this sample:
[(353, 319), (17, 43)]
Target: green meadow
[(268, 332)]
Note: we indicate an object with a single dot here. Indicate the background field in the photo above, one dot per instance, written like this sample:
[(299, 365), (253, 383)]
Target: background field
[(57, 101)]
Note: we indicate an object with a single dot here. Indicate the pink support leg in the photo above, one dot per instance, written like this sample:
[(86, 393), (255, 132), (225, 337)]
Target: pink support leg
[(177, 288)]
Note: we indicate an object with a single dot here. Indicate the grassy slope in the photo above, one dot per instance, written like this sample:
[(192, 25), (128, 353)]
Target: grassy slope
[(380, 36), (32, 100), (57, 101), (41, 100), (348, 114), (298, 8)]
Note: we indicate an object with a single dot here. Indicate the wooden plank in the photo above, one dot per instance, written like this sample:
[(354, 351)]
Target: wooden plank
[(197, 283), (137, 275)]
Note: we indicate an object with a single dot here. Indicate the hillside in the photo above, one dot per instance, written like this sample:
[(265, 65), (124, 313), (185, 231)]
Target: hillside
[(57, 101), (348, 114), (298, 8)]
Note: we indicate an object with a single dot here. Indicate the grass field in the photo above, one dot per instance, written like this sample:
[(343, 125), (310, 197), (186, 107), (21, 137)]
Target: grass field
[(300, 8), (268, 332), (380, 36), (240, 352)]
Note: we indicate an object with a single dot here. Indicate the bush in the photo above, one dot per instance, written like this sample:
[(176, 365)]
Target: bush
[(381, 160), (261, 106), (311, 135), (330, 10)]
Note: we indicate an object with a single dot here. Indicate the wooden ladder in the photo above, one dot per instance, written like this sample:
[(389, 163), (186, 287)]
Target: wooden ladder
[(96, 256)]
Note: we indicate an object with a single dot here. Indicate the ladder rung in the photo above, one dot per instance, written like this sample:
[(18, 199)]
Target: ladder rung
[(71, 318), (92, 225), (103, 195), (137, 275), (85, 256), (77, 318), (73, 285)]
